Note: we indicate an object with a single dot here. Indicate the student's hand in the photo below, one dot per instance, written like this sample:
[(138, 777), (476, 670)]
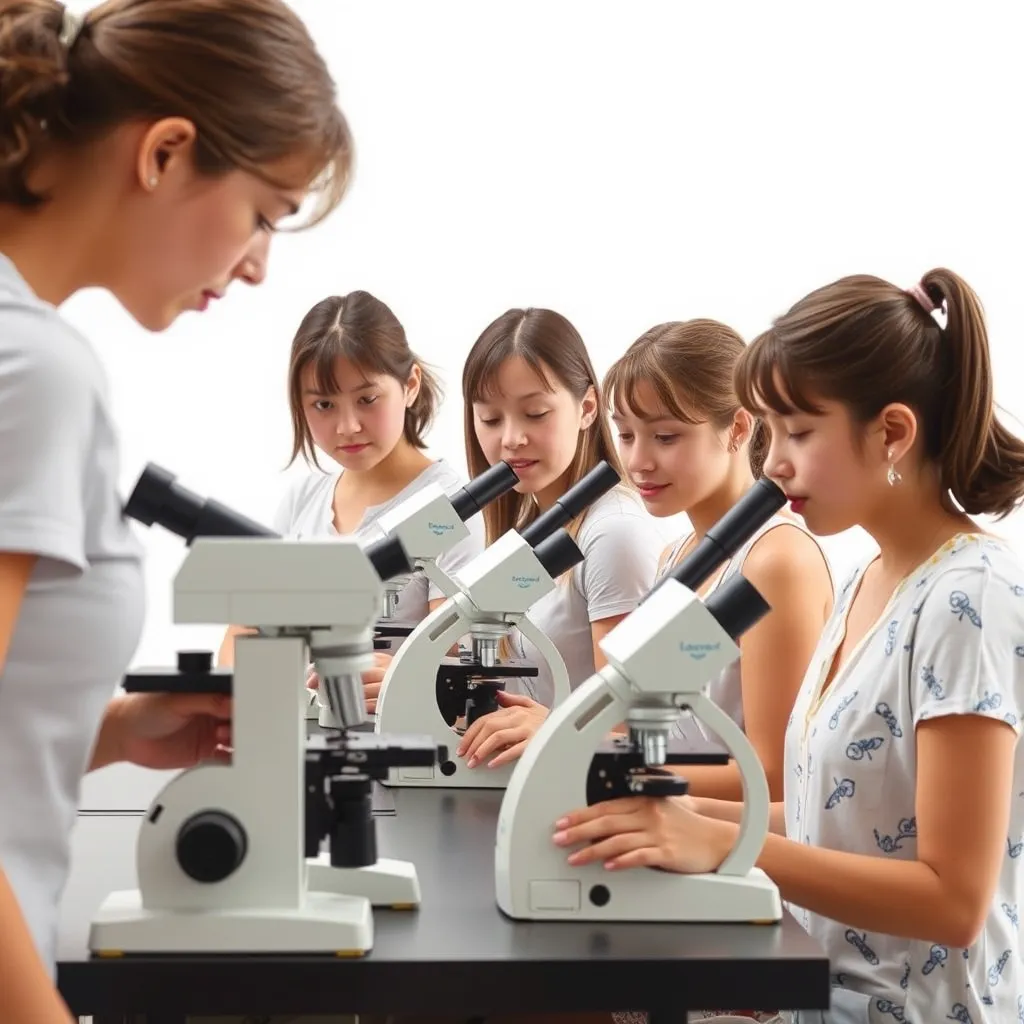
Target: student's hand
[(504, 732), (170, 730), (373, 678), (651, 832)]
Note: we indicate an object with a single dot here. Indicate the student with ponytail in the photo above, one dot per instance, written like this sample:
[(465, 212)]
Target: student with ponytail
[(689, 447), (149, 148), (898, 840), (360, 395)]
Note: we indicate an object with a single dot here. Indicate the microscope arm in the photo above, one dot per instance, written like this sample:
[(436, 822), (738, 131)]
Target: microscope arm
[(438, 577), (559, 674), (427, 644), (756, 814)]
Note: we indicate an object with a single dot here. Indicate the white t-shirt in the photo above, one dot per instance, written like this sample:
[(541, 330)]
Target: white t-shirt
[(621, 548), (81, 616), (307, 510), (726, 689), (950, 642)]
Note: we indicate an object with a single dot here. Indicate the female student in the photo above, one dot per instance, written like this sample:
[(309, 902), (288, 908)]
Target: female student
[(359, 394), (532, 398), (898, 842), (147, 149), (689, 447)]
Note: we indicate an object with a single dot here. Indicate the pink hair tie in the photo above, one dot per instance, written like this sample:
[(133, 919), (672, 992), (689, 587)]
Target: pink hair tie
[(924, 299)]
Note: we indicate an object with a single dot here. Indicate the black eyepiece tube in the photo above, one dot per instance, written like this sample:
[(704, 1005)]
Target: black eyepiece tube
[(730, 533), (558, 553), (599, 481), (158, 499), (737, 606), (388, 558), (482, 490)]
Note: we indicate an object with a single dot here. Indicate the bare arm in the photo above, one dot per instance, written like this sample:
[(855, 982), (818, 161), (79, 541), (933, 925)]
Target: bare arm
[(226, 654), (730, 810), (944, 895), (787, 568), (26, 992)]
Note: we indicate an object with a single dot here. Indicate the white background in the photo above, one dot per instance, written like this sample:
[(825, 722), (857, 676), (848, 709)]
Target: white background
[(623, 163)]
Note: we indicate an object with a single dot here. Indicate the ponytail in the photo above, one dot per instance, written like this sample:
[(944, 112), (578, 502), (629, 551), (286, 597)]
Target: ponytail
[(982, 462)]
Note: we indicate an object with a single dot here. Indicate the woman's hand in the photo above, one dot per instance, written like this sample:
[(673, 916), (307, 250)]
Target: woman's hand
[(504, 732), (373, 679), (168, 730), (651, 832)]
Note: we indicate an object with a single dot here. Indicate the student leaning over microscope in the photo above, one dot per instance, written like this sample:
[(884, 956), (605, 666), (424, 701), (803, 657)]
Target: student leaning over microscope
[(113, 175), (898, 841), (532, 399), (358, 393)]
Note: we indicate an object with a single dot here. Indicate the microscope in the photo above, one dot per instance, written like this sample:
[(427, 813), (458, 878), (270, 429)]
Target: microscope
[(222, 854), (428, 525), (660, 659), (425, 690)]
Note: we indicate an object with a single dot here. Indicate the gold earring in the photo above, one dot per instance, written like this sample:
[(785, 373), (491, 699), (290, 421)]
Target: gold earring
[(893, 474)]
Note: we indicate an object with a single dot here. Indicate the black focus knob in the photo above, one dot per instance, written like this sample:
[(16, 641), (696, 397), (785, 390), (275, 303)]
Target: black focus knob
[(211, 846), (195, 661)]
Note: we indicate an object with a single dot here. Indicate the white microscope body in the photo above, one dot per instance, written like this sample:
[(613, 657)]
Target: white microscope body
[(494, 593), (221, 855), (660, 659), (496, 590), (428, 525)]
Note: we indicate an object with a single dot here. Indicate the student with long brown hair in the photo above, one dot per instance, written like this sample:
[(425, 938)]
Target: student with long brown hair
[(690, 447), (532, 398), (359, 394), (148, 148), (899, 839)]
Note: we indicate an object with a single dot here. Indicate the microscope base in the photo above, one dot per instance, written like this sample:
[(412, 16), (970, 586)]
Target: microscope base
[(461, 777), (326, 923), (643, 894), (388, 883)]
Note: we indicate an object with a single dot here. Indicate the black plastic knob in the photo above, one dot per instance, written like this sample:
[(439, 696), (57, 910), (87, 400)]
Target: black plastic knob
[(211, 846), (195, 661)]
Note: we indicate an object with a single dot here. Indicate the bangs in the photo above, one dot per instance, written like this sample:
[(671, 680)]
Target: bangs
[(624, 380), (767, 380), (322, 359), (482, 381)]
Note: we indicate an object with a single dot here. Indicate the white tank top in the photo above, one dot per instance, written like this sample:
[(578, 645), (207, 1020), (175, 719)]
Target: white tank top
[(725, 689)]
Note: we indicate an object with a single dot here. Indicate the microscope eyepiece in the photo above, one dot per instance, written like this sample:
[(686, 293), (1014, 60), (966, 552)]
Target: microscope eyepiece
[(388, 558), (730, 533), (558, 554), (737, 606), (599, 481), (482, 490), (158, 499)]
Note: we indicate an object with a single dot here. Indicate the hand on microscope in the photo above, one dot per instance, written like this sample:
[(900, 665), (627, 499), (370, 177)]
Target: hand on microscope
[(504, 732), (164, 730), (373, 679), (649, 832)]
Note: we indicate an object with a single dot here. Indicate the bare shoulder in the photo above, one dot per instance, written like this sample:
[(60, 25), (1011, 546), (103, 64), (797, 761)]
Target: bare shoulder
[(784, 557)]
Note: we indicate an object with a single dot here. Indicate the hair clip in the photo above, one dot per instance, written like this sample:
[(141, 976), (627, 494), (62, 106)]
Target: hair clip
[(927, 303)]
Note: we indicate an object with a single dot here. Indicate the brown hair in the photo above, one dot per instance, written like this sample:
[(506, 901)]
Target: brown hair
[(866, 343), (690, 366), (362, 329), (541, 338), (245, 72)]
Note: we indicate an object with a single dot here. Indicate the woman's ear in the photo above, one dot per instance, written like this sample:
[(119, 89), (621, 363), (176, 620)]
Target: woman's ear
[(412, 385), (740, 430), (588, 408)]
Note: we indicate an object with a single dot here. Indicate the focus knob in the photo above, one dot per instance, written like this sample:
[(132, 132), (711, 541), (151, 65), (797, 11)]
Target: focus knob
[(211, 846)]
